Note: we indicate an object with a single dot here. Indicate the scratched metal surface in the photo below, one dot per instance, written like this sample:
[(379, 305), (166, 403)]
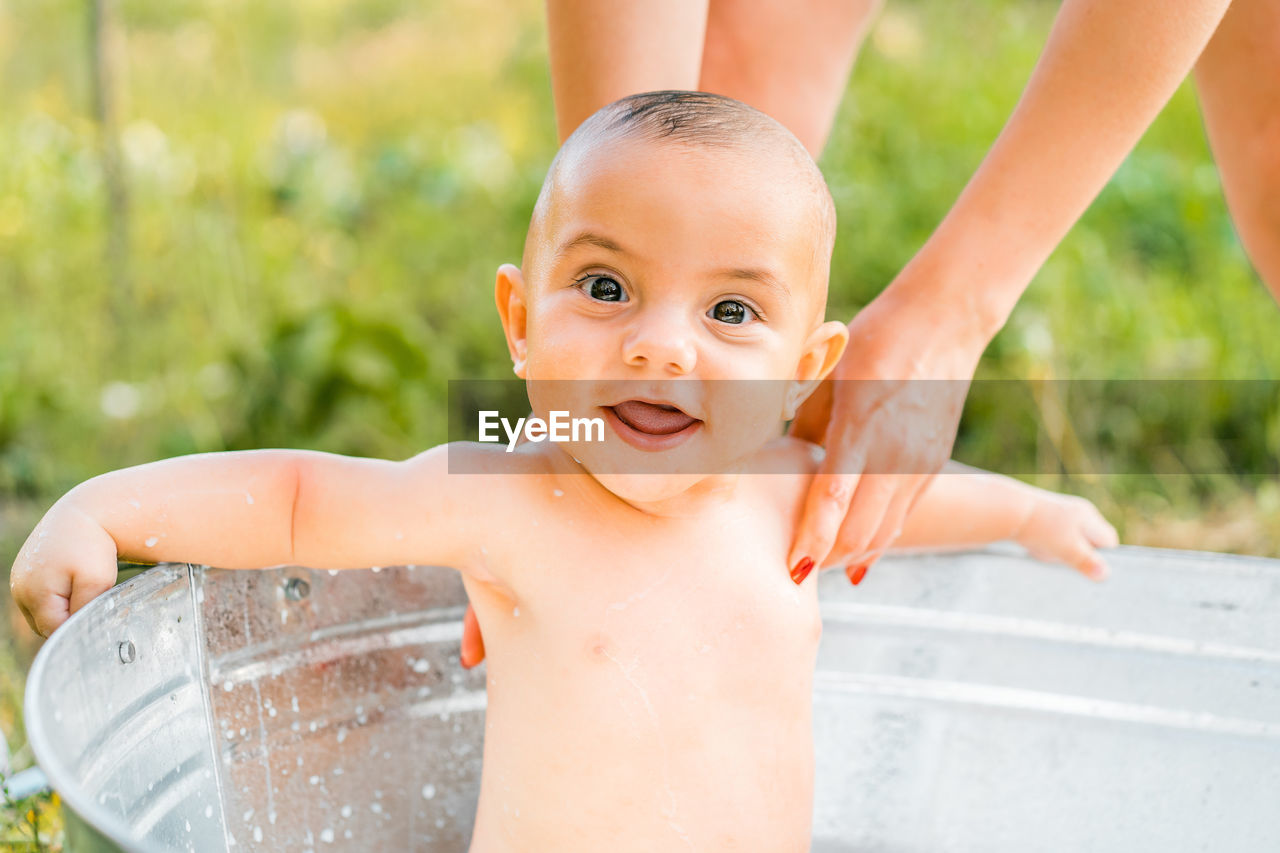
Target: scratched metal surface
[(973, 702)]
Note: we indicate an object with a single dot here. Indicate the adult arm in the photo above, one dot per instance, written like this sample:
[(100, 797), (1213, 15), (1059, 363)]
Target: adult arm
[(1106, 71), (1238, 79)]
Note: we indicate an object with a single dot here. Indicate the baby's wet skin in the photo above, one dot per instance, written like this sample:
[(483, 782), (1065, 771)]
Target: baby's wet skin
[(616, 659)]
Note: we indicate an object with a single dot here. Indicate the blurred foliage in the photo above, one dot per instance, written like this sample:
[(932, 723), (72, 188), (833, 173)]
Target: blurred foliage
[(32, 824), (321, 191)]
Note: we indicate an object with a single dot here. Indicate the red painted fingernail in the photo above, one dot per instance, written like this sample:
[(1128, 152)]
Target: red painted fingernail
[(801, 570), (856, 573)]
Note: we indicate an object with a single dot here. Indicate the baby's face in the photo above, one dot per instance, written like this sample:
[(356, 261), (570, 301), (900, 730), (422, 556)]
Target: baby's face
[(681, 290)]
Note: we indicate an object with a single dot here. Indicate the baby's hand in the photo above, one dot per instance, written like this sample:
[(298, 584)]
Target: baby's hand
[(1067, 529), (67, 561)]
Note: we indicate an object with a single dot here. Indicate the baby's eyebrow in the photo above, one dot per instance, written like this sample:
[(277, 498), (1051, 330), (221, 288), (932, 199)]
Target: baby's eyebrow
[(762, 276), (589, 238)]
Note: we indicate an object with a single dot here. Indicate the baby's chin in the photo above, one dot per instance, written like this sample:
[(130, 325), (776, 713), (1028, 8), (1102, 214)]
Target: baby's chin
[(648, 488)]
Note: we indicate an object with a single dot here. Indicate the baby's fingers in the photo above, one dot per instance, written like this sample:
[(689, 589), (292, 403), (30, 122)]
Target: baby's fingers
[(45, 611), (1100, 532), (1085, 558), (85, 588)]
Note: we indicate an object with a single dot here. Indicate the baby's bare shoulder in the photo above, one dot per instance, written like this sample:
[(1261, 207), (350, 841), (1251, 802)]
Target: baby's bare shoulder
[(470, 457), (789, 456), (786, 466), (475, 475)]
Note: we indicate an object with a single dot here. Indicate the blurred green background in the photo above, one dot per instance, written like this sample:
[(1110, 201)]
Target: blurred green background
[(297, 243)]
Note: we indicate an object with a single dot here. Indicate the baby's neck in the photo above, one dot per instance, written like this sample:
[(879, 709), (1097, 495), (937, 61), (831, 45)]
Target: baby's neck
[(703, 494)]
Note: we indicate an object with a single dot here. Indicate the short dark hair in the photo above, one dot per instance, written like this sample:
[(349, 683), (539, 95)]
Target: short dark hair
[(700, 118)]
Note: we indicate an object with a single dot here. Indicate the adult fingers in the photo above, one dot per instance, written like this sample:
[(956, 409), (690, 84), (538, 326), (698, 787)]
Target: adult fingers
[(865, 517), (825, 508), (906, 491)]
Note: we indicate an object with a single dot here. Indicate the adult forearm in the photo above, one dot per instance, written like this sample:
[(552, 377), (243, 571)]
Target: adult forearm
[(1107, 70)]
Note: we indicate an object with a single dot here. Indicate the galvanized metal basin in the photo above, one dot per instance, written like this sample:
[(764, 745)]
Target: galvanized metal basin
[(974, 702)]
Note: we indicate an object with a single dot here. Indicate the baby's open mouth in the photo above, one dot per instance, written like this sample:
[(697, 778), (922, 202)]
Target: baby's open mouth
[(652, 418)]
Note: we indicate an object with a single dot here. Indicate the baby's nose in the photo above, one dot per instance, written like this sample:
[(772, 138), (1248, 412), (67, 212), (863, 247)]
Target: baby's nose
[(661, 340)]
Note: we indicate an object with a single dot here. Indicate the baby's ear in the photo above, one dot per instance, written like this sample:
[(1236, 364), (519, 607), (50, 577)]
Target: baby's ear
[(822, 351), (508, 293)]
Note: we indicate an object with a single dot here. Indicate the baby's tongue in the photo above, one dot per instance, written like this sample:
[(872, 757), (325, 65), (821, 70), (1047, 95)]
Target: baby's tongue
[(646, 417)]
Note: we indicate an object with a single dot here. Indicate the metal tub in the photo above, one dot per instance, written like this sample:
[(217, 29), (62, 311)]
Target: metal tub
[(973, 702)]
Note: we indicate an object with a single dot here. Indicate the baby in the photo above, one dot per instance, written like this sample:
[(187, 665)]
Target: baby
[(650, 651)]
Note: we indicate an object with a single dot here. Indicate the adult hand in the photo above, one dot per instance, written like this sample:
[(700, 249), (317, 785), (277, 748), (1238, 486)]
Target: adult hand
[(887, 417)]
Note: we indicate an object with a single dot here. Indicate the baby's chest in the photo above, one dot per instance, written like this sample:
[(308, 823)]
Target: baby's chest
[(717, 616)]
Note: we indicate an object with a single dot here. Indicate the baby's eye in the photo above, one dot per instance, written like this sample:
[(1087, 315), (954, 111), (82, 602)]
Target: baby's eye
[(732, 311), (602, 287)]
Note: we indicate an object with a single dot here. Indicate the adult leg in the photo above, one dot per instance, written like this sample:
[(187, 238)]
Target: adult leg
[(604, 51), (787, 59), (1238, 79)]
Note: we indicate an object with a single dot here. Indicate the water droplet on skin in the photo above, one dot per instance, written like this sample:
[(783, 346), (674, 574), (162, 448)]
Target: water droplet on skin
[(208, 811), (188, 823), (326, 835), (342, 735), (271, 712), (295, 727), (346, 810), (151, 541), (428, 792), (314, 780), (226, 685), (375, 569), (558, 492), (295, 704), (346, 834), (247, 816), (376, 808), (257, 834), (422, 665), (248, 498), (333, 573)]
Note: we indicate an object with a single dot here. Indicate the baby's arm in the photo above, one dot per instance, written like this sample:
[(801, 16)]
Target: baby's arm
[(246, 509), (967, 506)]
